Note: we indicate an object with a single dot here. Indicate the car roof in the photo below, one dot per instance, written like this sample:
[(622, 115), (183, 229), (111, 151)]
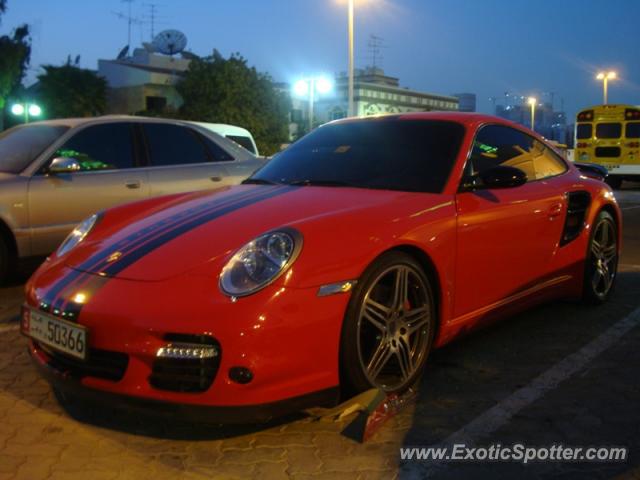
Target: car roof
[(459, 117), (74, 122)]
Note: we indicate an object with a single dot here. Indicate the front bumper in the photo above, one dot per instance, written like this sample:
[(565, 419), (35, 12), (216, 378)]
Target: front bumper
[(72, 388), (287, 338)]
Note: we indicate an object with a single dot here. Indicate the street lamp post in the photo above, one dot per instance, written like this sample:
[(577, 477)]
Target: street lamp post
[(532, 102), (350, 109), (26, 110), (605, 77)]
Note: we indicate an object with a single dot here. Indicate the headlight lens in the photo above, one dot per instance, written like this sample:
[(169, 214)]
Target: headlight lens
[(260, 262), (77, 235)]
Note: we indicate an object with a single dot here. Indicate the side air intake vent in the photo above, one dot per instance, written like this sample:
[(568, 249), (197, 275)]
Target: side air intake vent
[(577, 206)]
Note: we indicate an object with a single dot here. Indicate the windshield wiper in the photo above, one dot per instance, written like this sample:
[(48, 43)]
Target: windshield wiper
[(320, 183), (258, 181)]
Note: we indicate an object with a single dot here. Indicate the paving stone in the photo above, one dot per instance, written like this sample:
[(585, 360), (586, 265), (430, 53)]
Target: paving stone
[(303, 460)]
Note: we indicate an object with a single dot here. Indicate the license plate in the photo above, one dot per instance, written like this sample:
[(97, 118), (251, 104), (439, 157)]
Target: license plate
[(66, 337)]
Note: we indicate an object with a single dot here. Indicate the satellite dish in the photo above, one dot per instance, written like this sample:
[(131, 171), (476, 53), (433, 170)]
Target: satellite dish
[(123, 52), (170, 42)]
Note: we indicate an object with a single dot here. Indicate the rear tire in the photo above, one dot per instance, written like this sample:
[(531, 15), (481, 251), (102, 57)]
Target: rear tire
[(389, 326), (601, 261)]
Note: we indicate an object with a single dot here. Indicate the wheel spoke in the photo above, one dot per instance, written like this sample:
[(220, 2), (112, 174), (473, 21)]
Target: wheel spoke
[(596, 249), (606, 279), (609, 252), (379, 359), (405, 360), (604, 235), (597, 278), (401, 288), (416, 319), (377, 314)]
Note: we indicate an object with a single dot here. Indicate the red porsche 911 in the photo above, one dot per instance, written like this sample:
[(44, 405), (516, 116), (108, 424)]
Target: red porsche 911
[(337, 267)]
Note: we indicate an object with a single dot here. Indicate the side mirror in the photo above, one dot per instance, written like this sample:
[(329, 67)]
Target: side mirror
[(64, 165), (497, 177)]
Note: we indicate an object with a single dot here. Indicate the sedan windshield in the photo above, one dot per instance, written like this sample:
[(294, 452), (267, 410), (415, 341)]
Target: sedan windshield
[(21, 145), (389, 154)]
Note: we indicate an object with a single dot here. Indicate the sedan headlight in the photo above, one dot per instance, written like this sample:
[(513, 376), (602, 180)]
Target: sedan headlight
[(260, 262), (77, 235)]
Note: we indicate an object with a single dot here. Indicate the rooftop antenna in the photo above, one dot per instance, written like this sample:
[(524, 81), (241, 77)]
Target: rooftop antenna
[(376, 44), (129, 18), (153, 18)]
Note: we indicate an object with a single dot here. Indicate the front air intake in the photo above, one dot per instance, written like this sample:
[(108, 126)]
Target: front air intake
[(188, 363)]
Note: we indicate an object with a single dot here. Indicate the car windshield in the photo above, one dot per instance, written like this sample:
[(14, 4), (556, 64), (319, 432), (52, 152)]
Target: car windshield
[(19, 146), (389, 154)]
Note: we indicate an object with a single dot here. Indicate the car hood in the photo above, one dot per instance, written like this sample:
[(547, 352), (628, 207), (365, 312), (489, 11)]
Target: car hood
[(197, 229)]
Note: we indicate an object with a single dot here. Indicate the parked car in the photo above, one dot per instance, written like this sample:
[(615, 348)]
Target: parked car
[(55, 173), (340, 264)]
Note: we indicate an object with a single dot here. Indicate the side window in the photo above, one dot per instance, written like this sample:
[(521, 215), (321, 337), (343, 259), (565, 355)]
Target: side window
[(101, 147), (218, 154), (500, 145), (174, 145)]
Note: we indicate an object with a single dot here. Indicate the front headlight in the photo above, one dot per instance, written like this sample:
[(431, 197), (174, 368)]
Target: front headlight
[(260, 262), (77, 235)]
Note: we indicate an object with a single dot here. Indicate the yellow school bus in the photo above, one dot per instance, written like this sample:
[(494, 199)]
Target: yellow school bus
[(609, 135)]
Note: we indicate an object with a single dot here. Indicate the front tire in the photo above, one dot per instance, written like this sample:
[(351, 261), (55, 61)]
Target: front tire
[(389, 326), (601, 262)]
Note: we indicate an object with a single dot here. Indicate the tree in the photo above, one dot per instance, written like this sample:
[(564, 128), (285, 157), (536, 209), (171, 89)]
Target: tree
[(71, 91), (15, 52), (226, 90)]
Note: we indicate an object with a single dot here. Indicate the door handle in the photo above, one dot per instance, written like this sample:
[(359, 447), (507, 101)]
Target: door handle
[(555, 210), (132, 183), (215, 179)]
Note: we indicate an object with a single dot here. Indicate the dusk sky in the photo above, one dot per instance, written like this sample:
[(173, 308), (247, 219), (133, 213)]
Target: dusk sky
[(487, 47)]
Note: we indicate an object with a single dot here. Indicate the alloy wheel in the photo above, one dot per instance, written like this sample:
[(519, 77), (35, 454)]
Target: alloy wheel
[(604, 252), (394, 326)]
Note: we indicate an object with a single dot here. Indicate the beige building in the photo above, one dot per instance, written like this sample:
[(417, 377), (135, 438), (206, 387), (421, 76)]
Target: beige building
[(374, 93), (144, 81)]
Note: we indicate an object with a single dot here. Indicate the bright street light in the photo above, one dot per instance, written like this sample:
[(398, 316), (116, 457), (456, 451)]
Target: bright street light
[(323, 85), (308, 87), (532, 102), (605, 77), (17, 109), (26, 110), (34, 110)]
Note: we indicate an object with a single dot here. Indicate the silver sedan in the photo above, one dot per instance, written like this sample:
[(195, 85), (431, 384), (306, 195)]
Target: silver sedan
[(55, 173)]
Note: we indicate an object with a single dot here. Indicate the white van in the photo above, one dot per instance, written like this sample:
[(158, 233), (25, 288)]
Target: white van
[(240, 135)]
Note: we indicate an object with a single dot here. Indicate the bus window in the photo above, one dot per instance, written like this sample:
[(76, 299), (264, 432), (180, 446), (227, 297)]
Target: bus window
[(633, 130), (608, 130), (584, 130)]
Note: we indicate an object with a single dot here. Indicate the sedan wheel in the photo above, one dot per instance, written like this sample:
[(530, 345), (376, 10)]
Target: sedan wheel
[(390, 323), (602, 260)]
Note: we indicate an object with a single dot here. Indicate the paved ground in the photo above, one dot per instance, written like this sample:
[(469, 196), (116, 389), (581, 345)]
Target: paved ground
[(501, 385)]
